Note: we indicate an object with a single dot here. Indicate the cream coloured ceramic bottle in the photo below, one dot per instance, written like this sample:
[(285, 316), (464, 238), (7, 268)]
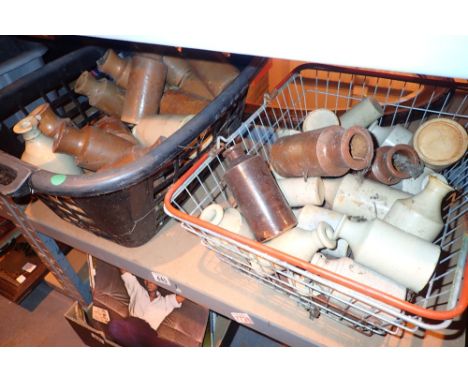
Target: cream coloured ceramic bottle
[(362, 114), (414, 186), (299, 191), (356, 196), (396, 254), (352, 270), (420, 215), (390, 136), (150, 128), (310, 216), (38, 149)]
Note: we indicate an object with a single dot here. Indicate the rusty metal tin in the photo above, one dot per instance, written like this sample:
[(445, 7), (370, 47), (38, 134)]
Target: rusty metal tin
[(331, 151), (258, 196), (394, 163), (145, 87)]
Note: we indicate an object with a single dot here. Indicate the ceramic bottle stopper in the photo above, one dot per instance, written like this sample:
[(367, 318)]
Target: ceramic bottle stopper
[(356, 196), (102, 94), (217, 73), (299, 191), (181, 103), (350, 269), (115, 126), (150, 129), (390, 136), (92, 147), (362, 114), (420, 215), (259, 198), (310, 216), (145, 87), (116, 67), (181, 75), (38, 149), (49, 122), (394, 163), (318, 119), (331, 151), (396, 254), (440, 142)]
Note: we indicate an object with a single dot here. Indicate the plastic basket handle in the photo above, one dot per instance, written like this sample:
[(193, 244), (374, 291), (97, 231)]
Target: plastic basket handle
[(14, 176)]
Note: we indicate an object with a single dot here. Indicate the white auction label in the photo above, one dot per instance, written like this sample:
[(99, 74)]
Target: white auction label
[(161, 279), (242, 318)]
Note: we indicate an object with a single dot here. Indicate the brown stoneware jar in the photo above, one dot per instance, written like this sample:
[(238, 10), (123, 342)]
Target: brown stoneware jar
[(181, 103), (331, 151), (49, 122), (102, 94), (145, 87), (115, 126), (181, 75), (394, 163), (92, 147), (116, 67), (257, 194)]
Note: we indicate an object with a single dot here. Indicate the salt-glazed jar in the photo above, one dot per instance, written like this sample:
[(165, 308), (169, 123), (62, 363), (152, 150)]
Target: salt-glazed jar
[(394, 163), (362, 114), (93, 148), (151, 128), (38, 149), (116, 67), (259, 197), (310, 216), (357, 196), (390, 136), (318, 119), (396, 254), (49, 122), (420, 215), (145, 87), (115, 126), (331, 151), (102, 94), (299, 191), (352, 270)]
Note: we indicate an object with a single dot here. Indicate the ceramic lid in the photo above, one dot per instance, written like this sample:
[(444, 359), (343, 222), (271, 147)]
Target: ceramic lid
[(440, 141), (319, 119)]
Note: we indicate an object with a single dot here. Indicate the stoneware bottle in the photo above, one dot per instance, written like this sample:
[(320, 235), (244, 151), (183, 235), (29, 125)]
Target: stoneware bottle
[(150, 129), (331, 151), (318, 119), (393, 163), (299, 191), (38, 149), (310, 216), (92, 147), (49, 122), (396, 254), (231, 220), (303, 244), (390, 136), (102, 94), (362, 114), (360, 197), (181, 103), (115, 126), (352, 270), (440, 142), (181, 75), (116, 67), (416, 185), (145, 87), (420, 215), (257, 194)]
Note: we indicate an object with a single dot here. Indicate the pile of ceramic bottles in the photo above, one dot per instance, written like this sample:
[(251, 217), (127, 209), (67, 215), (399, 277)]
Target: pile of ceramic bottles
[(347, 195), (144, 99)]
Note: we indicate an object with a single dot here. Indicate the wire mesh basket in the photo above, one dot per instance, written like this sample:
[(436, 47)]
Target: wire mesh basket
[(124, 205), (406, 100)]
